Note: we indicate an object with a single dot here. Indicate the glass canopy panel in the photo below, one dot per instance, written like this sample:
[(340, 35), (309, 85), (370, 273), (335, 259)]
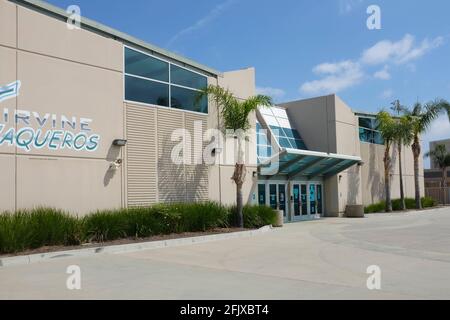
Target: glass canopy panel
[(310, 165)]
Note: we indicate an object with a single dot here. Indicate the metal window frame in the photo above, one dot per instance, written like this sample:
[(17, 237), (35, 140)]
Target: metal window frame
[(169, 83)]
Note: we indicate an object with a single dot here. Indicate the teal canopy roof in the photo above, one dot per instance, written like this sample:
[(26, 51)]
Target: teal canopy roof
[(295, 163)]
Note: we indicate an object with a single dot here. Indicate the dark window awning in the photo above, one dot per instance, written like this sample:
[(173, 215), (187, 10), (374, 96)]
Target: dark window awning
[(311, 164)]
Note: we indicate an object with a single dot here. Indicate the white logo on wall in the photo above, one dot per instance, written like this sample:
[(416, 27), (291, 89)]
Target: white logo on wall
[(38, 131)]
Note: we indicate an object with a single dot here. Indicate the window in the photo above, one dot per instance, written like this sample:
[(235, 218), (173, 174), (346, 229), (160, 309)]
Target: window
[(188, 100), (278, 121), (154, 81), (368, 131), (146, 91), (139, 64), (264, 149), (187, 78)]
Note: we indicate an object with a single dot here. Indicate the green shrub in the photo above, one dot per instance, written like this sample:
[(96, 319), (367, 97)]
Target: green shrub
[(200, 216), (254, 216), (428, 202), (30, 229), (376, 207), (149, 221), (410, 203), (105, 225)]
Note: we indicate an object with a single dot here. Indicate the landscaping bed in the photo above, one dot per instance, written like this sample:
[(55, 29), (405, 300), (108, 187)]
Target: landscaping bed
[(379, 207), (44, 230)]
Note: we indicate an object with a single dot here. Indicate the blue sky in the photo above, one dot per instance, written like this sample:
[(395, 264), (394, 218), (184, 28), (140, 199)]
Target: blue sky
[(303, 48)]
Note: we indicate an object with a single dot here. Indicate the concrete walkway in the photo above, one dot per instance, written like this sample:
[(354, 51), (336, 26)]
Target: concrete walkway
[(324, 259)]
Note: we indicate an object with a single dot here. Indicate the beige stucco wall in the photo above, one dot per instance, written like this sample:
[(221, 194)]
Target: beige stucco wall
[(74, 73), (8, 25), (327, 124), (78, 73), (372, 173), (221, 188)]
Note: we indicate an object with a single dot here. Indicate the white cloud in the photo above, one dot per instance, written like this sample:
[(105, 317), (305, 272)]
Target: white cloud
[(348, 73), (387, 94), (337, 77), (399, 52), (383, 74), (440, 130), (272, 92), (201, 23)]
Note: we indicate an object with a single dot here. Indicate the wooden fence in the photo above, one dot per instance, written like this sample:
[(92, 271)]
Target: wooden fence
[(440, 194)]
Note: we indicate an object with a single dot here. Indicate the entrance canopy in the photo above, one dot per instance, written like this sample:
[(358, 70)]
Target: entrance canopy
[(311, 164)]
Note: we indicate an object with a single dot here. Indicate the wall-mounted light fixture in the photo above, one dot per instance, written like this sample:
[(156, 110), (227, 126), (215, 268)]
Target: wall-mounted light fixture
[(216, 151), (255, 174), (120, 142), (340, 177)]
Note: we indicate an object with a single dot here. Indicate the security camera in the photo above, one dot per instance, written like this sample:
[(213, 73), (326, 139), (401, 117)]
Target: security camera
[(116, 164)]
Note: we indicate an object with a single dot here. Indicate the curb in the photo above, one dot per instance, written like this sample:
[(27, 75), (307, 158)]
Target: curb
[(126, 248)]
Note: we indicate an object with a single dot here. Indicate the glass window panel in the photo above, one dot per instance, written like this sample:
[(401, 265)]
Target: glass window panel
[(188, 100), (365, 123), (281, 113), (288, 132), (296, 134), (139, 64), (146, 91), (187, 78), (284, 123), (277, 131), (261, 139), (266, 111), (378, 138), (284, 143), (271, 121)]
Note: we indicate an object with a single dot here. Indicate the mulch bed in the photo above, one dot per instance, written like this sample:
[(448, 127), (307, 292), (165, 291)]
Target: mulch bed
[(125, 241)]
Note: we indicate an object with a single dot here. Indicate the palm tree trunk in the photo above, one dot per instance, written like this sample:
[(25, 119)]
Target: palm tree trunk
[(239, 206), (239, 178), (400, 168), (387, 178), (444, 184), (416, 153)]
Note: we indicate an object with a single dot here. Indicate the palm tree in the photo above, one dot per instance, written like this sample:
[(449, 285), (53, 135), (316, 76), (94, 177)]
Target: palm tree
[(235, 114), (420, 118), (403, 137), (388, 128), (441, 157)]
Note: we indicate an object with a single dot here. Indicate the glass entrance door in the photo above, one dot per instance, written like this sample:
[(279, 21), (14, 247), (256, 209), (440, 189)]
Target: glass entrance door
[(262, 194), (300, 199), (319, 199), (304, 200), (312, 199), (315, 200), (273, 197), (282, 199), (296, 200)]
